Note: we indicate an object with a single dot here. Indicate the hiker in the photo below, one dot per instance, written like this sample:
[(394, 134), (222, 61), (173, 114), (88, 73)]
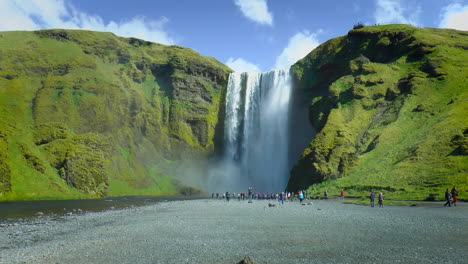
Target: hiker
[(342, 194), (325, 195), (448, 198), (301, 196), (281, 197), (454, 196), (381, 199), (372, 198)]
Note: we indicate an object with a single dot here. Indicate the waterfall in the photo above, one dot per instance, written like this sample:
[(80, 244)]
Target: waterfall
[(257, 130)]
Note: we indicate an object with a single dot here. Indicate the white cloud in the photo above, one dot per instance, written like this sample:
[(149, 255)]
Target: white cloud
[(256, 10), (455, 16), (298, 47), (392, 11), (241, 65), (43, 14)]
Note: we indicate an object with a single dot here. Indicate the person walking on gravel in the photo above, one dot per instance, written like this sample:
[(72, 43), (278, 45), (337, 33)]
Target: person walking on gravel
[(448, 198), (301, 196), (342, 194), (454, 196), (281, 197), (372, 198), (381, 199)]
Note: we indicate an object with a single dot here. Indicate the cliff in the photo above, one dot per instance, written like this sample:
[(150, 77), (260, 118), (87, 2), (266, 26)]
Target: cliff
[(86, 114), (389, 107)]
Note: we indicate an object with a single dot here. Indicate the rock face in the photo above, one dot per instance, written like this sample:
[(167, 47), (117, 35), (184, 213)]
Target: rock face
[(389, 107), (93, 114)]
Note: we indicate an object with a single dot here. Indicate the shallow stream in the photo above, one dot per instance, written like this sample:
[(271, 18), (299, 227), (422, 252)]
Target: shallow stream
[(11, 212)]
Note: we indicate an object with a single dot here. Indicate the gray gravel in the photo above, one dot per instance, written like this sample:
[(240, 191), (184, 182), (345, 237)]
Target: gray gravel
[(214, 231)]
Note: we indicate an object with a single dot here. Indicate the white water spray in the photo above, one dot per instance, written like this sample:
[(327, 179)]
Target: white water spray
[(257, 131)]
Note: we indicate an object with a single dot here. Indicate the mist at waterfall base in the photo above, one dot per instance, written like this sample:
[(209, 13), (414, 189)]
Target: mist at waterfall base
[(266, 129), (256, 134)]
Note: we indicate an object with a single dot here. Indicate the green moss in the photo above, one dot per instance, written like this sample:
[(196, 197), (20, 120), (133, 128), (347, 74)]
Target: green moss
[(388, 121), (57, 86), (385, 41), (46, 133), (5, 172)]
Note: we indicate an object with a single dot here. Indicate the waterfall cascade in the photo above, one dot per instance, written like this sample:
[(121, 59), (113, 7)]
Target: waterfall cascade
[(257, 130)]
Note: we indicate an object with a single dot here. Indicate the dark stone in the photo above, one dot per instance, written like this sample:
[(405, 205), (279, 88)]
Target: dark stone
[(460, 142), (433, 68), (139, 42), (372, 145), (248, 260), (420, 108), (59, 35)]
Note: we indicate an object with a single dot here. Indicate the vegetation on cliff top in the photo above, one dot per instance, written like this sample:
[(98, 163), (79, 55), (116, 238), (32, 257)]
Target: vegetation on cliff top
[(389, 105), (86, 114)]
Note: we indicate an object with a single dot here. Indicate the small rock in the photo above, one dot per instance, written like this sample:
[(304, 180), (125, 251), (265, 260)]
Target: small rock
[(248, 260)]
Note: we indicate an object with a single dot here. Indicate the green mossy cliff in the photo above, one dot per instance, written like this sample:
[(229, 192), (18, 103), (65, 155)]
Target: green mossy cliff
[(389, 105), (86, 114)]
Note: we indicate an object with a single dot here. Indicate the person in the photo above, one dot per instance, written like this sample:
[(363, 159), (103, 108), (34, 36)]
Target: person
[(372, 198), (448, 198), (301, 196), (325, 195), (454, 196), (381, 199), (250, 190), (281, 196), (342, 194), (227, 196)]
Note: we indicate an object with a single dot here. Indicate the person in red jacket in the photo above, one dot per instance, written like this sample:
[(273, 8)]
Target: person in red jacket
[(342, 194), (454, 196)]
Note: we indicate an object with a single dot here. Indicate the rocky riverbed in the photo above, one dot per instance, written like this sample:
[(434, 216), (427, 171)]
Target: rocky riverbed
[(214, 231)]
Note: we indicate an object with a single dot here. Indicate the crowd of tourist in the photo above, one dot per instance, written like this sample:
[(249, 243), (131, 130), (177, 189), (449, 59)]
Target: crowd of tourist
[(451, 197)]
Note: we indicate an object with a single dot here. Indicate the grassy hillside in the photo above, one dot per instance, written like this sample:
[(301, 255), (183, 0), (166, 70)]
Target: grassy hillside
[(390, 105), (86, 114)]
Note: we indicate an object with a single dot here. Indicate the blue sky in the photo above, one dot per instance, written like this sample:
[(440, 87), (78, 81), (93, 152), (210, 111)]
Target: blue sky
[(247, 35)]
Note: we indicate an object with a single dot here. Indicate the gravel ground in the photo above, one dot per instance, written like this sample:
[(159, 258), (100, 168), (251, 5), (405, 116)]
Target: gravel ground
[(214, 231)]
